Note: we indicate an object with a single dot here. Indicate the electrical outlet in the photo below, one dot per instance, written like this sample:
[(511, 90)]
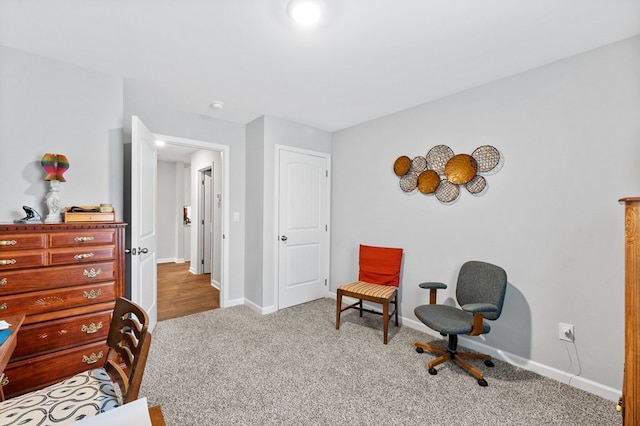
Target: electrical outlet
[(565, 332)]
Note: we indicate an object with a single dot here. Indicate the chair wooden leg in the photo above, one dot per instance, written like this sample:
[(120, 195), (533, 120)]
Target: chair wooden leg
[(338, 308), (464, 364)]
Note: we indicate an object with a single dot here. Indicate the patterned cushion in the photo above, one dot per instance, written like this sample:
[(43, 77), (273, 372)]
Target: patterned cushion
[(368, 289), (83, 395)]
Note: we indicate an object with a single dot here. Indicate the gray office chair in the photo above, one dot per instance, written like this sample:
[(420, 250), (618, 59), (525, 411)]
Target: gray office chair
[(480, 292)]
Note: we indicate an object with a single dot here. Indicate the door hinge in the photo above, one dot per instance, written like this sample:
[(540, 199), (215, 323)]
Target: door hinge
[(326, 228), (326, 173), (325, 282), (202, 262)]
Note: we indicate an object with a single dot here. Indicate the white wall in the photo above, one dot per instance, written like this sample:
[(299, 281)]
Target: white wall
[(49, 106), (570, 136), (168, 219)]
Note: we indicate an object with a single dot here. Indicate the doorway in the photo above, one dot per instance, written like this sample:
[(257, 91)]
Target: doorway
[(208, 250)]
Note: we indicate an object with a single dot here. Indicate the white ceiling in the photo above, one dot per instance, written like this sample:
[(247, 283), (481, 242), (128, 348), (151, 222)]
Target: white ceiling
[(368, 59)]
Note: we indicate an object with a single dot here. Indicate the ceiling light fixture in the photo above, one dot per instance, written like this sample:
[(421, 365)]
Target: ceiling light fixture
[(217, 104), (306, 12), (160, 142)]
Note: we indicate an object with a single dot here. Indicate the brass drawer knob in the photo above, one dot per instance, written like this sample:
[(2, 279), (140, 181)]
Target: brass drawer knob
[(92, 359), (3, 307), (91, 328), (8, 243), (83, 256), (7, 261), (92, 294), (83, 239), (92, 273), (5, 381), (3, 282)]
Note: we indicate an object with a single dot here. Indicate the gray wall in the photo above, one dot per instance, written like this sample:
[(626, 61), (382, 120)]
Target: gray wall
[(48, 106), (263, 134), (569, 133)]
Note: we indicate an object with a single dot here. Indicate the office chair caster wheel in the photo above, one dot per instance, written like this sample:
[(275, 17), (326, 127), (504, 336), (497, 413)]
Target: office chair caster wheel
[(489, 363), (433, 371), (483, 382), (419, 350)]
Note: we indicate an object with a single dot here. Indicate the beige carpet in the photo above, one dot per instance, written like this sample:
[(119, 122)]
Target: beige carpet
[(235, 367)]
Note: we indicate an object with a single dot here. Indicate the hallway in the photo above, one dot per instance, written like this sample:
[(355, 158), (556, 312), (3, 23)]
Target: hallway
[(181, 293)]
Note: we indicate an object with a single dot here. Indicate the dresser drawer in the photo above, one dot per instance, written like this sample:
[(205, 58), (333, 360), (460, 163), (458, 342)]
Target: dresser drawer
[(81, 254), (17, 259), (48, 336), (36, 373), (53, 277), (21, 241), (82, 238), (57, 299)]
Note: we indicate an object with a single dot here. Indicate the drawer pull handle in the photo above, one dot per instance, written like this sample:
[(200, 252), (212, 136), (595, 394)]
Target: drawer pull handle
[(5, 381), (92, 294), (92, 273), (7, 261), (3, 307), (8, 243), (92, 359), (83, 256), (91, 328), (3, 282), (83, 239)]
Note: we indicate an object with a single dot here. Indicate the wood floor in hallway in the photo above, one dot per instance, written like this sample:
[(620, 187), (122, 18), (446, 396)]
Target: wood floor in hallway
[(182, 293)]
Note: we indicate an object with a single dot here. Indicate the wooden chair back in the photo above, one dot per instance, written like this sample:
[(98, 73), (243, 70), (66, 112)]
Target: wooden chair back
[(129, 341)]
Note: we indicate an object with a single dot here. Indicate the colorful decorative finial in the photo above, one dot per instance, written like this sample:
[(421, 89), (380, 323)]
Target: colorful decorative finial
[(55, 165)]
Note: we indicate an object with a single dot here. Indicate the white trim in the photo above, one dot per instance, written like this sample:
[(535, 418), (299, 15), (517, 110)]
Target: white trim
[(276, 247), (226, 162), (578, 382)]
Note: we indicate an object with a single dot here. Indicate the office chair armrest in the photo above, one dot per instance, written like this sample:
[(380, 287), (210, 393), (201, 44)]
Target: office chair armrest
[(479, 308), (433, 289)]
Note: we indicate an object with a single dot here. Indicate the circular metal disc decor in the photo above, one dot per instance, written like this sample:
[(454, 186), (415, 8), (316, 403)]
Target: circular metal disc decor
[(476, 185), (437, 158), (428, 181), (408, 182), (418, 164), (487, 157), (447, 192), (402, 165), (460, 169)]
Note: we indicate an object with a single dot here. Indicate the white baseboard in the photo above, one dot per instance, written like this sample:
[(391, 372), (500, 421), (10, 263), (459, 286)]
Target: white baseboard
[(215, 284), (263, 311), (169, 260), (587, 385)]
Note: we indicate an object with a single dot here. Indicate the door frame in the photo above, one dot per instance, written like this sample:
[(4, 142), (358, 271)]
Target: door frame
[(224, 173), (276, 269)]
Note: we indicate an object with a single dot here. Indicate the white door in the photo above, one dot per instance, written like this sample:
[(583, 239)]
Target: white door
[(143, 219), (303, 221)]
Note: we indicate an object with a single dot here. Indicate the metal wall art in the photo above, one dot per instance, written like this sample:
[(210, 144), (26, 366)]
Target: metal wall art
[(442, 173)]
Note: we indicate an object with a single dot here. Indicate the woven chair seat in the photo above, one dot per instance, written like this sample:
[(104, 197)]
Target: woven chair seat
[(370, 290)]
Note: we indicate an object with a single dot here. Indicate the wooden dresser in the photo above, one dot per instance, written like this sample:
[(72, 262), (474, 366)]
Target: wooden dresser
[(630, 400), (64, 278)]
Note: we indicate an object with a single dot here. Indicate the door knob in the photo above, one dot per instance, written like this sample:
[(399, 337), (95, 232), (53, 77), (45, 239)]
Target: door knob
[(143, 250), (283, 238)]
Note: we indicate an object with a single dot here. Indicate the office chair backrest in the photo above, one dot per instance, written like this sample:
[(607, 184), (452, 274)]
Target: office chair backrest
[(481, 282), (380, 265)]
